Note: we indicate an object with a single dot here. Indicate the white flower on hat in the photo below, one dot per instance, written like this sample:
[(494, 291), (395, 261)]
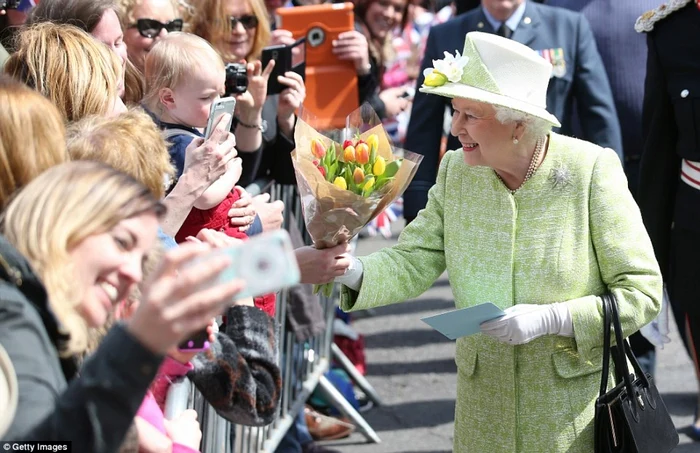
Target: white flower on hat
[(449, 68)]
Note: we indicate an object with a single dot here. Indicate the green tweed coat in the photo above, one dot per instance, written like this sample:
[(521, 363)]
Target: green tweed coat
[(571, 233)]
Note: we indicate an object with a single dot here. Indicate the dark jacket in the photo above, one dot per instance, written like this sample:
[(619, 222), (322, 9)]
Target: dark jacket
[(542, 28), (93, 411), (239, 375), (671, 126), (369, 85), (273, 160), (624, 55)]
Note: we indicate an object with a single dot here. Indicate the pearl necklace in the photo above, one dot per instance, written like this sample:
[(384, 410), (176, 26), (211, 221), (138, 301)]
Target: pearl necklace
[(539, 146)]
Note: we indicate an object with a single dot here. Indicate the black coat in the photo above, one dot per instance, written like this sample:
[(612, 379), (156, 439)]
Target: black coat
[(93, 411), (671, 126)]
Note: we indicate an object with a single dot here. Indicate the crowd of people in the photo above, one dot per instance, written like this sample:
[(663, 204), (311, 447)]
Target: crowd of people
[(109, 188)]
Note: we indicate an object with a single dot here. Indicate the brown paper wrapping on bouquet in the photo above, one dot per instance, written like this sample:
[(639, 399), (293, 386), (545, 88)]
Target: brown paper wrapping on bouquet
[(332, 214)]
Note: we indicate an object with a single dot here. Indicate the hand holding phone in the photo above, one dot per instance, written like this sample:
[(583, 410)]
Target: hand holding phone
[(218, 108), (287, 58)]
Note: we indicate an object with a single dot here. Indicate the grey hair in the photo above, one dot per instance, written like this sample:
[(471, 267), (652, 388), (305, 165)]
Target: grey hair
[(534, 127)]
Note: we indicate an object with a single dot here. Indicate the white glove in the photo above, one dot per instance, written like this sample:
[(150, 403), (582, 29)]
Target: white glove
[(657, 330), (352, 278), (523, 323)]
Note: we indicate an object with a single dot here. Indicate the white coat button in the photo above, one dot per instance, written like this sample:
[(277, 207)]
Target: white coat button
[(480, 25), (685, 93), (527, 21)]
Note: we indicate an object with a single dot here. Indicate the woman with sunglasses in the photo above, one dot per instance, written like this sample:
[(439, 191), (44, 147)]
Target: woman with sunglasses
[(144, 22), (263, 125)]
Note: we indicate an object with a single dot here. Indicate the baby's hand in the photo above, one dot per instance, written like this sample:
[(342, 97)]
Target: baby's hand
[(185, 430)]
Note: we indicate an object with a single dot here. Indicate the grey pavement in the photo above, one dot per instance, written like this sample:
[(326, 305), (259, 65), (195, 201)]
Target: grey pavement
[(412, 368)]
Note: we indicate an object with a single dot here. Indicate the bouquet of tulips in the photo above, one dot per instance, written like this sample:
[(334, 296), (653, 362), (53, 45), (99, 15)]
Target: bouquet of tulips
[(344, 187), (358, 167)]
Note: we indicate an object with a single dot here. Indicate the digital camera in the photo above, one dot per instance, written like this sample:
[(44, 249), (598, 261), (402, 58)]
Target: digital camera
[(9, 4), (236, 78)]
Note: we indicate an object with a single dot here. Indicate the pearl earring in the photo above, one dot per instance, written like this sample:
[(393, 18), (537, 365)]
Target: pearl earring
[(515, 141)]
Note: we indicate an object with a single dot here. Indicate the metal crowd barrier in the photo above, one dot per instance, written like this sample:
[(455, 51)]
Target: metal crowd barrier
[(303, 366)]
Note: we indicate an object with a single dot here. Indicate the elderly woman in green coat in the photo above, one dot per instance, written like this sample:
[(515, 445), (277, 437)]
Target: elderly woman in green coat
[(539, 224)]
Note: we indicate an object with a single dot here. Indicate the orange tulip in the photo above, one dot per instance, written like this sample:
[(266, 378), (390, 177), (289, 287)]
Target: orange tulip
[(362, 153), (317, 148), (358, 175), (349, 154)]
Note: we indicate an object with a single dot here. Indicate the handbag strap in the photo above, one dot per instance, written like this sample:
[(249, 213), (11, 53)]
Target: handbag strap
[(625, 349), (606, 344), (626, 353)]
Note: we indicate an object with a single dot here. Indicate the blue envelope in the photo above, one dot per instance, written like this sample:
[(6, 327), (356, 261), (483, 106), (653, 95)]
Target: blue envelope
[(464, 321)]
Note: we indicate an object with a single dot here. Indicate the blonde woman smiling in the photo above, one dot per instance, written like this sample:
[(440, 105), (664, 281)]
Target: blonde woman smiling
[(75, 240)]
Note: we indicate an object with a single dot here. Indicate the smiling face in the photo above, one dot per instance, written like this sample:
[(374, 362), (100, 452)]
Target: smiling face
[(240, 41), (382, 16), (485, 140), (108, 265), (138, 46)]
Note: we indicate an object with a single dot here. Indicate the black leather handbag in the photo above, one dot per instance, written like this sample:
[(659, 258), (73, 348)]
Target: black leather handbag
[(631, 417)]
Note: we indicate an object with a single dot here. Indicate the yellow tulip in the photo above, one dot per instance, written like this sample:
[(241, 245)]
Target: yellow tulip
[(369, 184), (435, 79), (379, 166), (340, 182), (372, 141)]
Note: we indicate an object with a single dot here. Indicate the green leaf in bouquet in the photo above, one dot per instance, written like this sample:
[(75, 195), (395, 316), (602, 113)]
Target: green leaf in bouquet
[(372, 154), (333, 171), (392, 168), (332, 152), (382, 182)]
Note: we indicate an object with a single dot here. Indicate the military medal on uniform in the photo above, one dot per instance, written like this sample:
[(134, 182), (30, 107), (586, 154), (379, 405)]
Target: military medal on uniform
[(556, 58)]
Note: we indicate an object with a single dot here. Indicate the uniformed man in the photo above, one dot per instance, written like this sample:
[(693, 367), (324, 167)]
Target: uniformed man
[(563, 37), (669, 184)]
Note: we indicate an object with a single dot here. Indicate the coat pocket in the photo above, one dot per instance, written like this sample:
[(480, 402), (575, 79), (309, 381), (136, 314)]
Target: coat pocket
[(684, 91), (568, 364), (466, 360)]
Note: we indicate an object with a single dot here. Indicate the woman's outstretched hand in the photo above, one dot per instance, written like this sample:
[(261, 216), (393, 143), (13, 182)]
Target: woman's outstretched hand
[(322, 266)]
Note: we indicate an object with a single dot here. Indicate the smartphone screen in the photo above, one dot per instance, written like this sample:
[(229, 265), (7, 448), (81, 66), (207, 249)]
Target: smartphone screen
[(218, 108)]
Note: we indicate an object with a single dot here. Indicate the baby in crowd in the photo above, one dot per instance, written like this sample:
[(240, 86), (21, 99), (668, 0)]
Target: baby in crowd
[(184, 76)]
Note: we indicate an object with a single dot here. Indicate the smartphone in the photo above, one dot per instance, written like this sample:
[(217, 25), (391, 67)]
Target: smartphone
[(287, 58), (218, 108), (196, 343), (265, 262)]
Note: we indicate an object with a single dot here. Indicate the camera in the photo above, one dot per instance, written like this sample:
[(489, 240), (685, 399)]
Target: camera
[(236, 78), (9, 4)]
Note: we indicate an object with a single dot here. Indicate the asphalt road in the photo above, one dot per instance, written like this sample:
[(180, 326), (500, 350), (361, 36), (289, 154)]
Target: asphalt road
[(412, 368)]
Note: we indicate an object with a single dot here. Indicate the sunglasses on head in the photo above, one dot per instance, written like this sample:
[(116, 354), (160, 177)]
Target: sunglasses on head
[(150, 28), (248, 21)]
